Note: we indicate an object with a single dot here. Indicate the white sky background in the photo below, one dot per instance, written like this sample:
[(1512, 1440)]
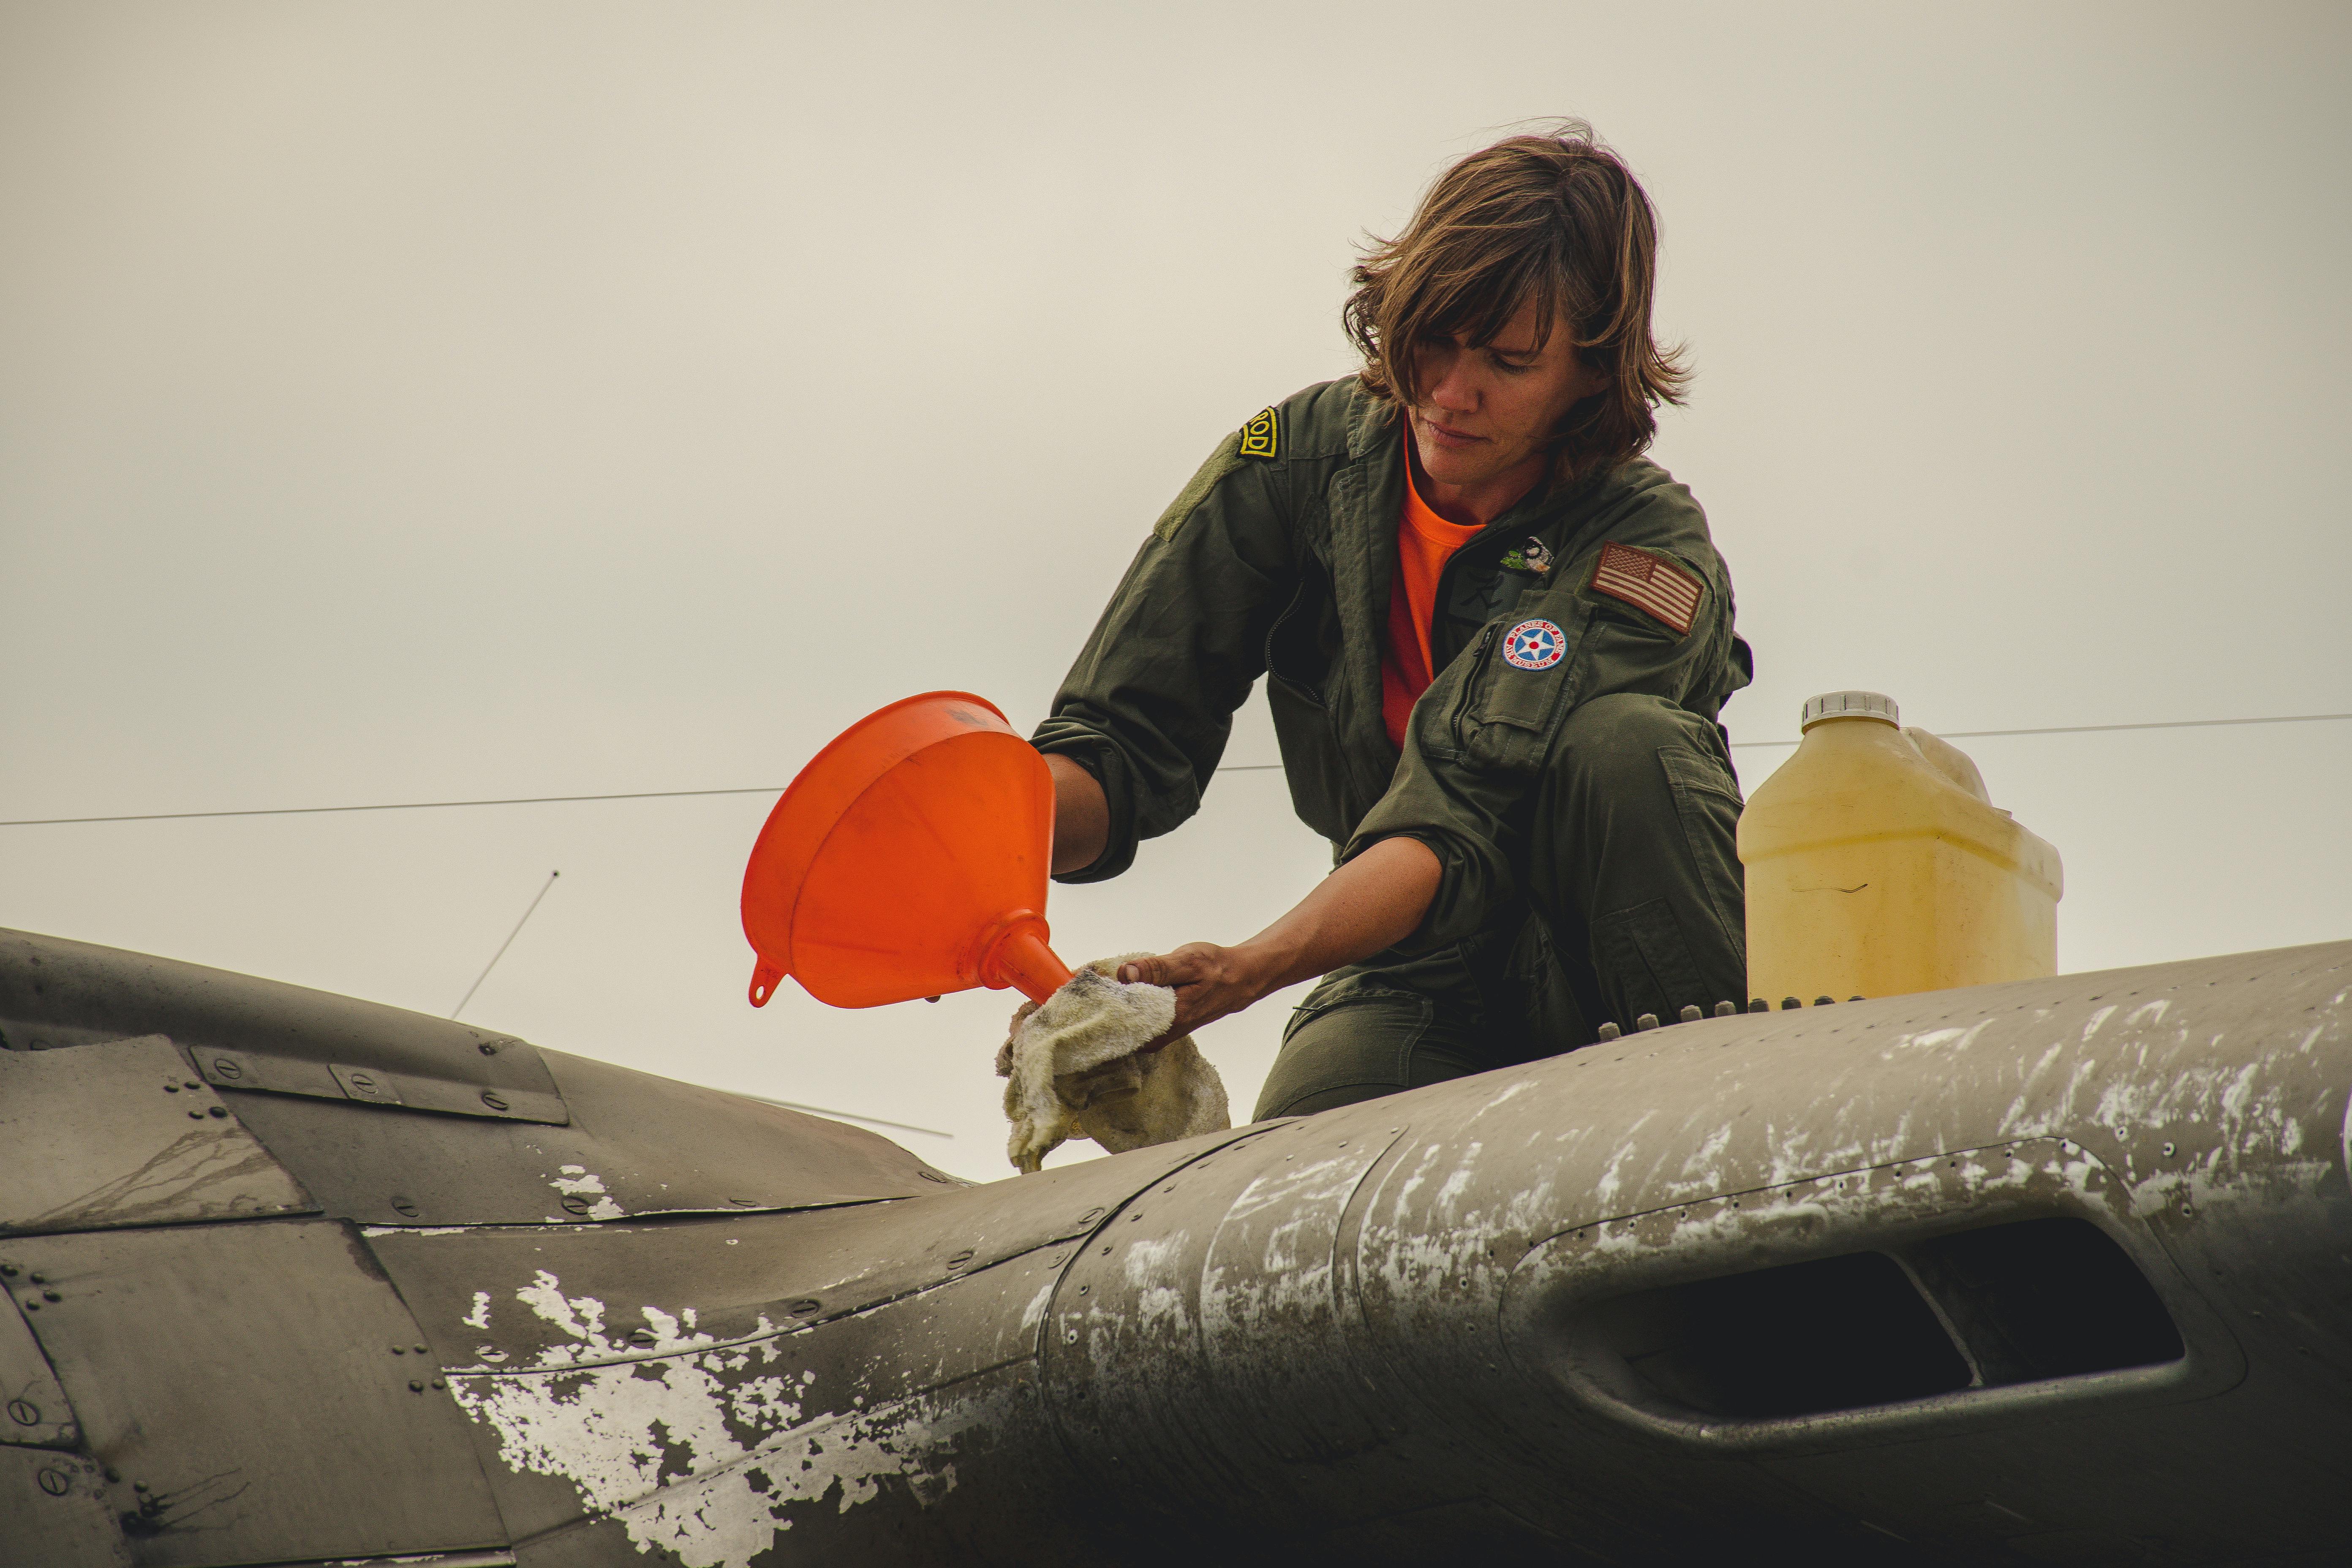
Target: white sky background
[(424, 401)]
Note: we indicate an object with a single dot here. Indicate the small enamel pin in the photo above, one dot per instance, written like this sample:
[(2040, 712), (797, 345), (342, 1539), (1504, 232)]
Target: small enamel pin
[(1528, 556)]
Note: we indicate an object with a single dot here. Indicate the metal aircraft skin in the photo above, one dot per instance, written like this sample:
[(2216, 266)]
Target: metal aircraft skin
[(2055, 1270)]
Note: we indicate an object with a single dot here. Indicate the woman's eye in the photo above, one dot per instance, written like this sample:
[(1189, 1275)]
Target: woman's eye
[(1509, 367)]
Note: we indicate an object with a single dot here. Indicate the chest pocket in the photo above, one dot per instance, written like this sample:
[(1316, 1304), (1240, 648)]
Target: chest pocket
[(1521, 679)]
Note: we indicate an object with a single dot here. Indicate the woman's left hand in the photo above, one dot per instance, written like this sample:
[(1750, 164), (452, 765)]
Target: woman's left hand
[(1210, 981)]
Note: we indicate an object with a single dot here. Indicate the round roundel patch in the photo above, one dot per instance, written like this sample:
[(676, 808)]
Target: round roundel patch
[(1533, 645)]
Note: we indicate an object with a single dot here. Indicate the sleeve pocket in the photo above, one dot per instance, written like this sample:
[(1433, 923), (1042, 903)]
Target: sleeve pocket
[(1527, 668)]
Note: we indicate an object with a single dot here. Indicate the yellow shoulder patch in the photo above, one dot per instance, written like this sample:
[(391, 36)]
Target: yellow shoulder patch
[(1261, 436)]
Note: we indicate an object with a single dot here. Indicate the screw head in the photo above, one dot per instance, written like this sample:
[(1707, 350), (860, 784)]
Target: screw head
[(804, 1308), (2168, 1151), (493, 1100), (24, 1412), (404, 1206), (227, 1067), (56, 1482), (575, 1204)]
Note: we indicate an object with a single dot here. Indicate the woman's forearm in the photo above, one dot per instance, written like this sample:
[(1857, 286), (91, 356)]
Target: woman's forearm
[(1374, 902)]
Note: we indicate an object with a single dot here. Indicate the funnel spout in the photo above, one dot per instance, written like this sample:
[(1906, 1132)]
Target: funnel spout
[(1020, 958)]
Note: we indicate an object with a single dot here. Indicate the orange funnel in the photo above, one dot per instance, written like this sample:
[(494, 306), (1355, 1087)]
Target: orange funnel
[(908, 859)]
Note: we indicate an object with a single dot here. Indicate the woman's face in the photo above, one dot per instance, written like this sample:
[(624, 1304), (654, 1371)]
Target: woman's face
[(1486, 413)]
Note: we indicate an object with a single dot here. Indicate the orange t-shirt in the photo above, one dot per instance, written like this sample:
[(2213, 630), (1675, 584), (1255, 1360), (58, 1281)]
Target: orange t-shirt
[(1425, 542)]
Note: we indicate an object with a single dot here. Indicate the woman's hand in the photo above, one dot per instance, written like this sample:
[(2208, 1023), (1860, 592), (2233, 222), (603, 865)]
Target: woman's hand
[(1373, 901), (1210, 981)]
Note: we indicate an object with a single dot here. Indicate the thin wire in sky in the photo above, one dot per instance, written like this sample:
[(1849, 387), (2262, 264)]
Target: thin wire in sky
[(501, 952), (1234, 768)]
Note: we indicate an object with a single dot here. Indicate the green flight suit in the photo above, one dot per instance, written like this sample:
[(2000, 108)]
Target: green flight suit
[(1571, 778)]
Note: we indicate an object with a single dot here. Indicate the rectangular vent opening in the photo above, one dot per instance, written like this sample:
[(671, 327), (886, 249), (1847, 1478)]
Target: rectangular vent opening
[(2004, 1304), (2045, 1298), (1836, 1334)]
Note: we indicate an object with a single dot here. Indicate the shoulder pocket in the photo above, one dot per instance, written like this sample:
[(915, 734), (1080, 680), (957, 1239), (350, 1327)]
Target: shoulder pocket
[(1223, 461)]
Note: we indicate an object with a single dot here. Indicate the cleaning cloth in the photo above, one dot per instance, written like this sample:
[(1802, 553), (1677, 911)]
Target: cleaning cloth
[(1078, 1069)]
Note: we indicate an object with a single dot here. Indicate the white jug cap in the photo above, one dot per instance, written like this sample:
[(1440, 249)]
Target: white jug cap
[(1850, 705)]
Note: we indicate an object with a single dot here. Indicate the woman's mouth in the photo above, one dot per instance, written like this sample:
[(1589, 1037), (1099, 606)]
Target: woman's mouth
[(1447, 437)]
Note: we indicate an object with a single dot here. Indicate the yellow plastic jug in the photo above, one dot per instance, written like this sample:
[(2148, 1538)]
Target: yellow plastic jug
[(1876, 865)]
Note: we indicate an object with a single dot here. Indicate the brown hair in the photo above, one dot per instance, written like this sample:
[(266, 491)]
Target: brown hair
[(1556, 219)]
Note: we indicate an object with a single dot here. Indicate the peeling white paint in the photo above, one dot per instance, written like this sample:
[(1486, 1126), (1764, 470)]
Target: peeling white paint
[(678, 1447), (578, 1182)]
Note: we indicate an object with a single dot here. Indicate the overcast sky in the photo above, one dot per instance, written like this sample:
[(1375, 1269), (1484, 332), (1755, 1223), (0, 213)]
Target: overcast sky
[(439, 401)]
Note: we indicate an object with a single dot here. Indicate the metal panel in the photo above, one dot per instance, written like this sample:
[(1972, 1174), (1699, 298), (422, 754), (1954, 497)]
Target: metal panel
[(54, 1512), (637, 1145), (123, 1134), (34, 1411), (496, 1297), (260, 1034), (260, 1387)]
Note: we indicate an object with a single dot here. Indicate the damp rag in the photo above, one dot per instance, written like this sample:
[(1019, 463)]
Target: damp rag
[(1078, 1069)]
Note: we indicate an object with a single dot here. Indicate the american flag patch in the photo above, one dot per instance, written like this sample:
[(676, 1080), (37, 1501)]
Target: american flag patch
[(1648, 582)]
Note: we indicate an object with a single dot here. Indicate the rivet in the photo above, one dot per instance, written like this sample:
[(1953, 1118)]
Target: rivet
[(440, 1383), (170, 1089), (1071, 1337), (51, 1296), (190, 1083), (400, 1350), (221, 1110), (37, 1278), (195, 1116), (1646, 1022), (112, 1474), (1106, 1252), (1082, 1290), (489, 1047), (56, 1482), (493, 1100), (24, 1412), (416, 1384), (32, 1304), (138, 1486), (7, 1270), (2168, 1151), (420, 1350), (1691, 1014)]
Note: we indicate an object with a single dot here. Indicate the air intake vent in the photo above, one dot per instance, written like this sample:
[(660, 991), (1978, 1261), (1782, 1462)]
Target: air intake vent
[(1979, 1309)]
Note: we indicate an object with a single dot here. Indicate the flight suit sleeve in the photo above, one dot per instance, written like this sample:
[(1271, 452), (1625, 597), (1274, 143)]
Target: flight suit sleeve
[(1483, 735), (1149, 705)]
